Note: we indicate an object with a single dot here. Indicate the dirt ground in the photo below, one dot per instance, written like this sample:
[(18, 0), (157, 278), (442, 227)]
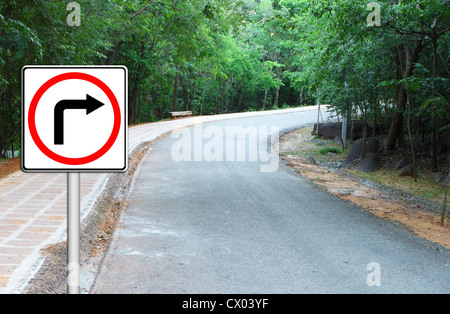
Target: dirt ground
[(421, 222), (8, 167)]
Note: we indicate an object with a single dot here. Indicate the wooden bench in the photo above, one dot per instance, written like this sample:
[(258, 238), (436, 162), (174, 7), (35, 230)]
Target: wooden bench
[(179, 114)]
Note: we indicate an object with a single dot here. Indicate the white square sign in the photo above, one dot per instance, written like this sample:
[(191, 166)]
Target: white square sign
[(74, 119)]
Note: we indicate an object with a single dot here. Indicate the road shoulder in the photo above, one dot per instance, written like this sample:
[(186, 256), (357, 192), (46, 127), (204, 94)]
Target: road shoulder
[(382, 202)]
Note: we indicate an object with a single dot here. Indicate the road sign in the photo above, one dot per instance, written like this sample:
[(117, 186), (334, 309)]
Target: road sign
[(74, 119)]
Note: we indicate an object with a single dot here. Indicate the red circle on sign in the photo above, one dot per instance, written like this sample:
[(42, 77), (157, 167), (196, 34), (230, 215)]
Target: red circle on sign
[(32, 119)]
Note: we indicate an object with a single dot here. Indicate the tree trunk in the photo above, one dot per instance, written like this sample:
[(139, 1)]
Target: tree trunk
[(218, 105), (344, 132), (291, 97), (2, 150), (434, 162), (240, 101), (132, 105), (397, 122), (374, 130), (277, 97), (112, 54), (444, 206), (301, 97), (411, 140), (191, 96), (265, 99), (318, 120), (175, 87), (203, 102), (185, 92), (138, 110), (219, 99), (434, 131), (364, 135)]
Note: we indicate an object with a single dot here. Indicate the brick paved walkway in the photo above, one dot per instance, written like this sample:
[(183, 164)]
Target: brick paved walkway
[(33, 206)]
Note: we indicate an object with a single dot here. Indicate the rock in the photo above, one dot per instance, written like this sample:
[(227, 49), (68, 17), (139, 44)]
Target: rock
[(407, 171), (441, 178), (345, 191), (370, 163), (312, 161), (402, 163), (445, 140), (438, 177), (372, 147), (333, 130), (328, 131)]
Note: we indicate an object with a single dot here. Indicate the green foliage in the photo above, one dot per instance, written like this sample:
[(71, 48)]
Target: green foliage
[(213, 56), (327, 150)]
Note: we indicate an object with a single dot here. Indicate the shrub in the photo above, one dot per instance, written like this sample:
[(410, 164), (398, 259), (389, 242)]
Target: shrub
[(327, 150)]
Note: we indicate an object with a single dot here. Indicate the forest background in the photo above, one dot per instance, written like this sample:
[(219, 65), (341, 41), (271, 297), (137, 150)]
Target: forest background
[(221, 56)]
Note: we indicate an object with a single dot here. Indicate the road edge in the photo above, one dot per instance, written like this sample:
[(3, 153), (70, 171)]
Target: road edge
[(51, 278)]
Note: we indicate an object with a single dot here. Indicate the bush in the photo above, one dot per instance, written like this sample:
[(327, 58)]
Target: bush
[(327, 150)]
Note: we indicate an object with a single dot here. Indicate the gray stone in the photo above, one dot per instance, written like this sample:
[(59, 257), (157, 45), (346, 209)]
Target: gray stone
[(370, 163), (345, 191), (402, 163), (312, 161), (407, 171), (445, 140), (439, 177), (372, 147), (333, 130)]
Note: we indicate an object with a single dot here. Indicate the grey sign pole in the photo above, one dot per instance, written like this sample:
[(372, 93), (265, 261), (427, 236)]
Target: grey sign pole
[(73, 232)]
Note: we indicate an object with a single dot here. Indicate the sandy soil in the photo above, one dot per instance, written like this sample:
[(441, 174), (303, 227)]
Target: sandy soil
[(8, 167), (420, 222)]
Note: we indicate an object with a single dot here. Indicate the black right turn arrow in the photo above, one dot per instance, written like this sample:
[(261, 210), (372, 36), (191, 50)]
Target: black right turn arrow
[(90, 105)]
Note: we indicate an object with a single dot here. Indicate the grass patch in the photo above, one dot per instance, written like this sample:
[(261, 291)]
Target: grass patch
[(425, 187), (301, 144), (328, 150)]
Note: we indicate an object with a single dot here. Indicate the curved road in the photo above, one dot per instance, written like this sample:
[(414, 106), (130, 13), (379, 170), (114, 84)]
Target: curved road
[(209, 215), (33, 206)]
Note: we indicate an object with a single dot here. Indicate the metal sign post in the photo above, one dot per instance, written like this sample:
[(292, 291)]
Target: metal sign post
[(73, 232)]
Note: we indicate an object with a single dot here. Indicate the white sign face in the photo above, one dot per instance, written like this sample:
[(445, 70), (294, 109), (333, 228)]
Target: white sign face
[(74, 119)]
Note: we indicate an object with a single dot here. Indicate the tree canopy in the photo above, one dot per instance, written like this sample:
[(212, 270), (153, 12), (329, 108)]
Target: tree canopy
[(220, 56)]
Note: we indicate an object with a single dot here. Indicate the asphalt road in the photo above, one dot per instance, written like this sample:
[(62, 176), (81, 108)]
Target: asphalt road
[(225, 226)]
